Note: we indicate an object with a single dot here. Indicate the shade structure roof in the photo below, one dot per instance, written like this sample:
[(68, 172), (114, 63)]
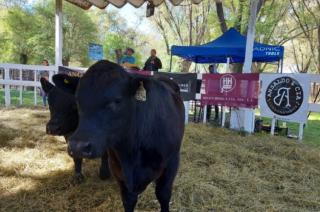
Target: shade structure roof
[(86, 4), (229, 45)]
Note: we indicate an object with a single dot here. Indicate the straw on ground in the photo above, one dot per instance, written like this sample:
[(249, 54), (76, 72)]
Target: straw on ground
[(220, 171)]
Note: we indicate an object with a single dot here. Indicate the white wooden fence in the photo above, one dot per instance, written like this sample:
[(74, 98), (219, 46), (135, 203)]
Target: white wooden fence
[(6, 80)]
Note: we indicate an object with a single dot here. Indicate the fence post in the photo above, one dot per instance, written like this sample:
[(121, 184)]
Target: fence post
[(51, 73), (35, 87), (7, 95), (20, 87)]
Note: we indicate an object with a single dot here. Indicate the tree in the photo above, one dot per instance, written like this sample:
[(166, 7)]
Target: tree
[(115, 41), (78, 31), (185, 25), (30, 33), (20, 33), (306, 14)]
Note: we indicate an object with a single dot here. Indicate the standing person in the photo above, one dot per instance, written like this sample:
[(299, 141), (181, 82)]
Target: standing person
[(45, 62), (43, 94), (213, 70), (153, 63), (128, 60)]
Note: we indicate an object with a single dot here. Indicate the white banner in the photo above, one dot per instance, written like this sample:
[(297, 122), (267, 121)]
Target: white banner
[(285, 96)]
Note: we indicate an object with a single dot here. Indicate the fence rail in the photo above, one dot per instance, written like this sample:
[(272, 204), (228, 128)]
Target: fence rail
[(8, 79)]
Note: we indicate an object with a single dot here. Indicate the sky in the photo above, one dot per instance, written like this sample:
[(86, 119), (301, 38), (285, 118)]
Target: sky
[(133, 15)]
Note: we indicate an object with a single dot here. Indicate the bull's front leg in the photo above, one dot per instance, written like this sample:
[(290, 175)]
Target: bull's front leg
[(104, 172), (129, 198), (78, 177), (165, 182)]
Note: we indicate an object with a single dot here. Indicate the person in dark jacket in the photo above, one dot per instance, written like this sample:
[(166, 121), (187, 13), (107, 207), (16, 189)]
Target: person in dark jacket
[(213, 70), (153, 63)]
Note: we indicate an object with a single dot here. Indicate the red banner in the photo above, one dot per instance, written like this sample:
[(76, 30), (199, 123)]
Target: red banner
[(233, 90)]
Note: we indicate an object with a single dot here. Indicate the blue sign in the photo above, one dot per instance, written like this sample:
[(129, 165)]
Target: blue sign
[(95, 51)]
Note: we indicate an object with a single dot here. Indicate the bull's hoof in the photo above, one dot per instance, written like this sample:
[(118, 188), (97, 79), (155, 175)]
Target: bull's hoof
[(77, 179), (104, 174)]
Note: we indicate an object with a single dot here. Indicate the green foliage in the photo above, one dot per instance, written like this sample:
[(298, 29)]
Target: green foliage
[(29, 34), (20, 33), (115, 41), (79, 31)]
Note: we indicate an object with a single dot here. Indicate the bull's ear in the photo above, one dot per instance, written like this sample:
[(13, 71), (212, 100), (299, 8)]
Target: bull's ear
[(138, 88), (46, 85), (66, 83)]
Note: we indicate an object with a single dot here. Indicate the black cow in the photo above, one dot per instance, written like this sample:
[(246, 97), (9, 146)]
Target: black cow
[(139, 120), (64, 117)]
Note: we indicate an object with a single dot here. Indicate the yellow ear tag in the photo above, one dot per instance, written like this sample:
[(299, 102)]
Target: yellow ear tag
[(66, 81), (141, 94)]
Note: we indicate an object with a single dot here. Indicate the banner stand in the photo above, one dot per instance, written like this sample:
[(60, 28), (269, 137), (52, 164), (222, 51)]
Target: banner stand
[(273, 125), (223, 116), (186, 111), (205, 114), (300, 131)]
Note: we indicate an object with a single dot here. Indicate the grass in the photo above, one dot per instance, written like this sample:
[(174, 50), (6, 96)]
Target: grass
[(311, 131), (27, 97), (220, 171)]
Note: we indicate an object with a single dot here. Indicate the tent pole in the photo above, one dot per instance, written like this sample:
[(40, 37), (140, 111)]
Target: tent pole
[(170, 62), (228, 65), (58, 34), (246, 121)]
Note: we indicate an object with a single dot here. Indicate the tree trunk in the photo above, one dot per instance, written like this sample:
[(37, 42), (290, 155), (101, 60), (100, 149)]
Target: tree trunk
[(190, 25), (65, 61), (318, 66), (238, 22), (220, 14), (23, 58)]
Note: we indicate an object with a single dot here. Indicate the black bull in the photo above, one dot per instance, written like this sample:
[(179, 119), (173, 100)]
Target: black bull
[(138, 120)]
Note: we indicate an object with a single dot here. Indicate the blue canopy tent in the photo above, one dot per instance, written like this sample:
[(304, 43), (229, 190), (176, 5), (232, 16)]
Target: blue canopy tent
[(228, 48)]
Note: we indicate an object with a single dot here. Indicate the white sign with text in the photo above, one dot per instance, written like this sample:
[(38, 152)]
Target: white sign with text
[(285, 96)]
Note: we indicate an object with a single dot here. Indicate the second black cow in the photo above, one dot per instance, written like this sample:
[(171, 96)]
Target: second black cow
[(64, 117)]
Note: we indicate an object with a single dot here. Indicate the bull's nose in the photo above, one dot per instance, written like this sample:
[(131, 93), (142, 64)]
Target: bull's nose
[(80, 149)]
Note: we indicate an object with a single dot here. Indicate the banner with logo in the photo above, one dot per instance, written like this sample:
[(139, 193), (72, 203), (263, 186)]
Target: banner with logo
[(186, 81), (233, 90), (285, 96)]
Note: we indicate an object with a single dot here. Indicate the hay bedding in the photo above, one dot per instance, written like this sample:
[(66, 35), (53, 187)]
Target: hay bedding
[(220, 171)]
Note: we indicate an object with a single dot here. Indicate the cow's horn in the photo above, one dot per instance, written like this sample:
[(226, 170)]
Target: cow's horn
[(141, 94)]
